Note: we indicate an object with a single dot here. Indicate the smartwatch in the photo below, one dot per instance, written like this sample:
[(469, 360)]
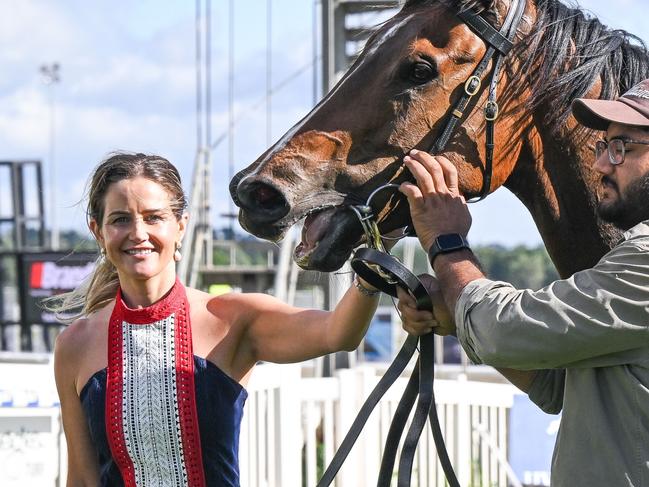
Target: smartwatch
[(445, 243)]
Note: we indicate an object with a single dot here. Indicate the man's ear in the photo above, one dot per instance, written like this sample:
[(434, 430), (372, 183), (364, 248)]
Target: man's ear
[(96, 232)]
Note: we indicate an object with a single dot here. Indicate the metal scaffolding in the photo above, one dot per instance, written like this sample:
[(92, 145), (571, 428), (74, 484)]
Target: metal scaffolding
[(198, 235), (344, 27)]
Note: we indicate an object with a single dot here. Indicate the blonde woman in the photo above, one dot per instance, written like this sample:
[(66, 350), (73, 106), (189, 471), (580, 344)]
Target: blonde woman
[(151, 375)]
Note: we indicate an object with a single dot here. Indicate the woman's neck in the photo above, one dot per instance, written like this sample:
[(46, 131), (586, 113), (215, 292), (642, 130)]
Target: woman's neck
[(140, 293)]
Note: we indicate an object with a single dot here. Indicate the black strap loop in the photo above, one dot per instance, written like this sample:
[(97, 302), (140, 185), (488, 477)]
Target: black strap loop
[(385, 272), (486, 32)]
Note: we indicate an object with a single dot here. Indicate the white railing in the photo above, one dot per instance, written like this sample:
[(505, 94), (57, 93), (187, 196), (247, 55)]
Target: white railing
[(292, 427)]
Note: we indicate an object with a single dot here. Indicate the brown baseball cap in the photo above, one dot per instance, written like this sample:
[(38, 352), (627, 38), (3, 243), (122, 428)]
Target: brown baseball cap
[(632, 108)]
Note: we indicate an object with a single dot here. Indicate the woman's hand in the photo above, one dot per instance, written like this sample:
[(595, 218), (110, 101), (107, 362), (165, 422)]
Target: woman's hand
[(418, 322)]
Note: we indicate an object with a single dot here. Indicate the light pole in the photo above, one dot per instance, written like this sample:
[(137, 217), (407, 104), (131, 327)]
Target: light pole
[(50, 73)]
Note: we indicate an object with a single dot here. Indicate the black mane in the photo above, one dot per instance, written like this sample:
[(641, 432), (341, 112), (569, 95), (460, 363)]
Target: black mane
[(568, 51)]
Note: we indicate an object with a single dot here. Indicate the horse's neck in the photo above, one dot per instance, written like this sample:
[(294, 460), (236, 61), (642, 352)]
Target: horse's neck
[(554, 180)]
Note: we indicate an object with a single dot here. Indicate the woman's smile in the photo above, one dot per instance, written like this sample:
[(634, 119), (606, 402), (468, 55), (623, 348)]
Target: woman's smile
[(139, 252)]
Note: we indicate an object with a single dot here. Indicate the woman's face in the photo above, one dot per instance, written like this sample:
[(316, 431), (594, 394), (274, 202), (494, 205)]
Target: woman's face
[(139, 230)]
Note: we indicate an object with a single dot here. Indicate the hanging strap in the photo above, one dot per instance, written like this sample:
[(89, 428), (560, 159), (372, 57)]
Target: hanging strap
[(391, 375)]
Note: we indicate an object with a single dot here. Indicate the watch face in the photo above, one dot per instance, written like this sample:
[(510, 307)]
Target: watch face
[(450, 241)]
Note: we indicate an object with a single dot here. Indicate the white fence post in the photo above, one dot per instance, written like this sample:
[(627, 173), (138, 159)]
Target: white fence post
[(464, 436), (345, 414), (289, 430), (270, 452)]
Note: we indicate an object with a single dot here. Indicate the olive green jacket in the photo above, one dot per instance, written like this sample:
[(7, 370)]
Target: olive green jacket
[(588, 338)]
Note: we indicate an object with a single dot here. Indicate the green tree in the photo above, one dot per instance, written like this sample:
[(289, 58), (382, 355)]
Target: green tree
[(523, 267)]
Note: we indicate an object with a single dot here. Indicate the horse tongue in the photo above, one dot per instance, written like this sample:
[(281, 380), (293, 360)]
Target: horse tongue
[(314, 228)]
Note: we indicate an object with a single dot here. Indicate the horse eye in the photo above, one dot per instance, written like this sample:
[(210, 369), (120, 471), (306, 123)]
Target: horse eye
[(421, 73)]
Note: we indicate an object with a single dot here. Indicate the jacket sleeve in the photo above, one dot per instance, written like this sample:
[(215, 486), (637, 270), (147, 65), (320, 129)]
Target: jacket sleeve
[(547, 389), (597, 317)]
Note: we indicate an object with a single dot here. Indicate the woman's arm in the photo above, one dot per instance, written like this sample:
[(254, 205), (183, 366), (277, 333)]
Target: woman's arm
[(83, 470), (277, 332)]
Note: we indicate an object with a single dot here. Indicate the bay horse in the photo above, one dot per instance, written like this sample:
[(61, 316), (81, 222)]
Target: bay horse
[(397, 96)]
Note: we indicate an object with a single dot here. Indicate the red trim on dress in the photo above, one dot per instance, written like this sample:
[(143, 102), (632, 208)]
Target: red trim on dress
[(114, 396), (186, 396)]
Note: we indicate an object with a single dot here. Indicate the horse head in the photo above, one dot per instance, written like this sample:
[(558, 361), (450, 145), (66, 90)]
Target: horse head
[(398, 95)]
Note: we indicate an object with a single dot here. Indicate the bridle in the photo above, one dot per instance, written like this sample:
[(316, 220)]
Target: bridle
[(386, 273), (499, 44)]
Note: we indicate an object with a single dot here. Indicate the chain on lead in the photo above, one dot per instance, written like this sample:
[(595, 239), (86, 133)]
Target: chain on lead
[(371, 229)]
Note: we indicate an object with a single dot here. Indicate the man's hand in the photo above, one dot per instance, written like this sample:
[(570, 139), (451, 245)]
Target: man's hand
[(436, 205), (417, 322)]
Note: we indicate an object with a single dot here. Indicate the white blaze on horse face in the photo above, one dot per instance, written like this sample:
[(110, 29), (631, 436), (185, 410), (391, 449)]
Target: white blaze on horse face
[(391, 32)]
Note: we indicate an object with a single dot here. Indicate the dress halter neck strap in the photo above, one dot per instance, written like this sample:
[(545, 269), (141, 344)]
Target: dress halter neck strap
[(151, 417)]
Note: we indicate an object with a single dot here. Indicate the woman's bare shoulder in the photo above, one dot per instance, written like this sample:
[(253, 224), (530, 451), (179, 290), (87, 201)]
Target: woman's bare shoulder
[(232, 308), (76, 338), (209, 301)]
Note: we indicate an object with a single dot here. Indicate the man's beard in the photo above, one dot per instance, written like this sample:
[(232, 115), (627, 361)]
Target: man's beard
[(631, 208)]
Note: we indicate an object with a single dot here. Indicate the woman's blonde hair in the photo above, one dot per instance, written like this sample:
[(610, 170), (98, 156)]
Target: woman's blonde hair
[(100, 287)]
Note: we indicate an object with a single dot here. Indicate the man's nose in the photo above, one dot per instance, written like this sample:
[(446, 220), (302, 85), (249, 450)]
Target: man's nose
[(603, 164)]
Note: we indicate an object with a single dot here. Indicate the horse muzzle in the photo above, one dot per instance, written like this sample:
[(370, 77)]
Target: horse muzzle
[(262, 205)]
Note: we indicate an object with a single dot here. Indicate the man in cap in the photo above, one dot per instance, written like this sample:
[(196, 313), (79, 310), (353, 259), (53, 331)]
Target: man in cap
[(580, 345)]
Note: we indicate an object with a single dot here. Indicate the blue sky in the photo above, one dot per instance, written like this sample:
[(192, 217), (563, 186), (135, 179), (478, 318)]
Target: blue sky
[(128, 82)]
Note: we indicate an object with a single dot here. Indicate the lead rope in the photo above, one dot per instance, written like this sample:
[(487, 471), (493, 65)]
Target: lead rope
[(420, 384)]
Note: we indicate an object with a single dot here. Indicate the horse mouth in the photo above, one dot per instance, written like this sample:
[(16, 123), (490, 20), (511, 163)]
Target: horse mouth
[(328, 238)]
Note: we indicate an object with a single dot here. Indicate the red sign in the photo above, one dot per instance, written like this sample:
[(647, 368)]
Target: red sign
[(51, 275), (48, 274)]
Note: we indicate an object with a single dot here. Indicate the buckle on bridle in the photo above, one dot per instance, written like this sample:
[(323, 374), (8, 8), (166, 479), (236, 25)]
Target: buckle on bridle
[(491, 111), (472, 85)]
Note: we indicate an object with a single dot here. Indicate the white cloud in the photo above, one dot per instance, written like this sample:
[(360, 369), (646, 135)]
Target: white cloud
[(37, 27), (24, 122)]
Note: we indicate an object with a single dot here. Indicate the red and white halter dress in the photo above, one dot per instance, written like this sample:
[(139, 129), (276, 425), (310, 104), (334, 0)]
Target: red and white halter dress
[(169, 418)]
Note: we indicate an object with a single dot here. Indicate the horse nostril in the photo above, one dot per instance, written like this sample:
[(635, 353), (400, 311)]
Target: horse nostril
[(267, 197), (262, 199)]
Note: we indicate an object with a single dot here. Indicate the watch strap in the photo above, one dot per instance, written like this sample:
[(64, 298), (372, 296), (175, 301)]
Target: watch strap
[(442, 246)]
